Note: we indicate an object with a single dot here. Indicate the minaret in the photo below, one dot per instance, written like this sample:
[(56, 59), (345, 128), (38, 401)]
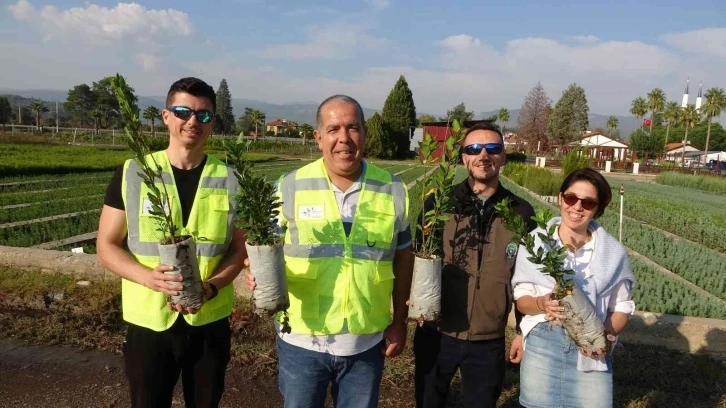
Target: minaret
[(699, 97), (685, 95)]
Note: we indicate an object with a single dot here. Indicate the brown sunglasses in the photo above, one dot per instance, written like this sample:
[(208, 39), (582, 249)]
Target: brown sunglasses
[(587, 203)]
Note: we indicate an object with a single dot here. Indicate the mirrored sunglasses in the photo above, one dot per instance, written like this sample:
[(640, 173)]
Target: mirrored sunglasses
[(184, 113), (476, 148), (587, 203)]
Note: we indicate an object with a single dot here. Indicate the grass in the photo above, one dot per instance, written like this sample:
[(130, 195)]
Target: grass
[(713, 184), (37, 159), (51, 309), (695, 215)]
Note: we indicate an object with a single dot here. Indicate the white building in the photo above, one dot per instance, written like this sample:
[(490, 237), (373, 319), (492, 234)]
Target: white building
[(599, 146)]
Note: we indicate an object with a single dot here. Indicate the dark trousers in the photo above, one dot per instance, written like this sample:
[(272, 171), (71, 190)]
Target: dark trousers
[(438, 357), (153, 361)]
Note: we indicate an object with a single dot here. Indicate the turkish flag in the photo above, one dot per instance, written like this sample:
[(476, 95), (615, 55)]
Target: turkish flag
[(646, 122)]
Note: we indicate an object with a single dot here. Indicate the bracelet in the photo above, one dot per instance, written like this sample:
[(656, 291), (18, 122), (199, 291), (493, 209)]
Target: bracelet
[(536, 303)]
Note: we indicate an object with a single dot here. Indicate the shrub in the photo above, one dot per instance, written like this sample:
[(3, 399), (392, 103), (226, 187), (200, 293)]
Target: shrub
[(574, 160)]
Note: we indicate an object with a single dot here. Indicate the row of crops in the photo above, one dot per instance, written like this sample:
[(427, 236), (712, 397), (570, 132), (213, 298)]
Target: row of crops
[(684, 212)]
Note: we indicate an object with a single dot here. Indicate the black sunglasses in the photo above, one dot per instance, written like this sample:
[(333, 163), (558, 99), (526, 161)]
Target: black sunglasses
[(587, 203), (476, 148), (184, 113)]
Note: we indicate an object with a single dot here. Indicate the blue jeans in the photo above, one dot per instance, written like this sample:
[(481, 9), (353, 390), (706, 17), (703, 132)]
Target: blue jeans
[(549, 377), (304, 376)]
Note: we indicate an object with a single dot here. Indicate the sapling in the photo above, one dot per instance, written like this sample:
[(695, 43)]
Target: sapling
[(581, 321), (178, 251), (437, 186), (258, 208)]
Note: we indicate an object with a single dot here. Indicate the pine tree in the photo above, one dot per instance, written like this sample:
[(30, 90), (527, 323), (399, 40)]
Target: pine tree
[(224, 123), (569, 117), (532, 120), (399, 113), (379, 136)]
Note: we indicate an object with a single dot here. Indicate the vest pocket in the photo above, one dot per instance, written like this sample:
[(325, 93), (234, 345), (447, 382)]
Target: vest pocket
[(496, 291), (213, 214), (382, 289), (303, 286)]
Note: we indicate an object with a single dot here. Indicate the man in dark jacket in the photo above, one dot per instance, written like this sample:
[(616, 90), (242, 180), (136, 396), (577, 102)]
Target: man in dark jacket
[(476, 294)]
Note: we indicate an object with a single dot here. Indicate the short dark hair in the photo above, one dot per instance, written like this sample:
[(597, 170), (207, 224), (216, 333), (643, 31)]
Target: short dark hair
[(192, 86), (339, 98), (485, 125), (592, 176)]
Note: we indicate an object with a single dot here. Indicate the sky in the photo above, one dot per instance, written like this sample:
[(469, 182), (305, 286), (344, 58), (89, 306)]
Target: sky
[(484, 53)]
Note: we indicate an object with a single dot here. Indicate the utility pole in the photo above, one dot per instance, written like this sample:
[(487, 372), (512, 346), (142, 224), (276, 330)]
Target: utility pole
[(56, 117), (20, 115)]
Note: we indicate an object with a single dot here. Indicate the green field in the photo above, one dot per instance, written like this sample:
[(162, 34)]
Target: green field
[(688, 213), (692, 214)]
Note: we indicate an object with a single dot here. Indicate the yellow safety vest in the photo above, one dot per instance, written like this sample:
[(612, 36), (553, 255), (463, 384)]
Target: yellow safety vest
[(332, 277), (210, 222)]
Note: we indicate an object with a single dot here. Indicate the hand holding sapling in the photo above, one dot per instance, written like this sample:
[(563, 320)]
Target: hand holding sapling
[(573, 308)]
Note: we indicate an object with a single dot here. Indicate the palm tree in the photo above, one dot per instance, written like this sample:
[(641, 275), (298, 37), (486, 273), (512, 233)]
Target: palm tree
[(656, 102), (150, 114), (715, 102), (38, 107), (690, 117), (256, 117), (639, 108), (306, 131), (503, 116), (612, 123), (672, 114)]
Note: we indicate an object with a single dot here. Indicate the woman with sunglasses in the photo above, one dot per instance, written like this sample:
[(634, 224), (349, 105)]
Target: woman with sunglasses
[(554, 373)]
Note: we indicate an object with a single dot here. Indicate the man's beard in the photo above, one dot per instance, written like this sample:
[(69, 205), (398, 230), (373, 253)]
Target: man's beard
[(486, 178)]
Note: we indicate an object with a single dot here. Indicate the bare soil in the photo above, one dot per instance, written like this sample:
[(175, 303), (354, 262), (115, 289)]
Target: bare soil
[(53, 376)]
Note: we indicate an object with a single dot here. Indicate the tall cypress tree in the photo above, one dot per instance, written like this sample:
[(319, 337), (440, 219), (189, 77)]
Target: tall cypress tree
[(399, 113), (224, 124), (569, 118)]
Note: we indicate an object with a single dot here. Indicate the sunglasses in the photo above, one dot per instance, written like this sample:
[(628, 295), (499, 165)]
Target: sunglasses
[(587, 203), (476, 148), (184, 113)]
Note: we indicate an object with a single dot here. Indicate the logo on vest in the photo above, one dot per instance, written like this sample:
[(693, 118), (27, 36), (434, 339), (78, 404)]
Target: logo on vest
[(511, 250), (147, 207), (310, 212)]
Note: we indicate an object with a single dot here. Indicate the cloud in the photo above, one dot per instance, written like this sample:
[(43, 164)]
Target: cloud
[(586, 39), (148, 62), (101, 25), (327, 42), (459, 42), (379, 4), (706, 41)]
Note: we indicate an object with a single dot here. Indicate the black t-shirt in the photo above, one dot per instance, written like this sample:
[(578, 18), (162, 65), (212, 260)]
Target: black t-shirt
[(187, 182)]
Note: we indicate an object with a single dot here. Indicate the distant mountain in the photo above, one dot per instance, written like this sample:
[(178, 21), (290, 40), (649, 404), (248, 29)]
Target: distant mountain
[(301, 112), (626, 124)]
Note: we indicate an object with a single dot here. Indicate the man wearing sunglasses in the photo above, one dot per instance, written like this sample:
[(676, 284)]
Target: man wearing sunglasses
[(164, 340), (476, 294)]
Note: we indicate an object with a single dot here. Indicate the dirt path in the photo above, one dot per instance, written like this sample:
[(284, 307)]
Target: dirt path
[(42, 376)]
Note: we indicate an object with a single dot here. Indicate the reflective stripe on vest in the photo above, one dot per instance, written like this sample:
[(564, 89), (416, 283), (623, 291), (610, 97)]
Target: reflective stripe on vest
[(333, 277), (210, 223)]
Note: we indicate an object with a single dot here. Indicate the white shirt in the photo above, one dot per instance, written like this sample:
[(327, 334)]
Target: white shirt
[(617, 300), (345, 343)]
